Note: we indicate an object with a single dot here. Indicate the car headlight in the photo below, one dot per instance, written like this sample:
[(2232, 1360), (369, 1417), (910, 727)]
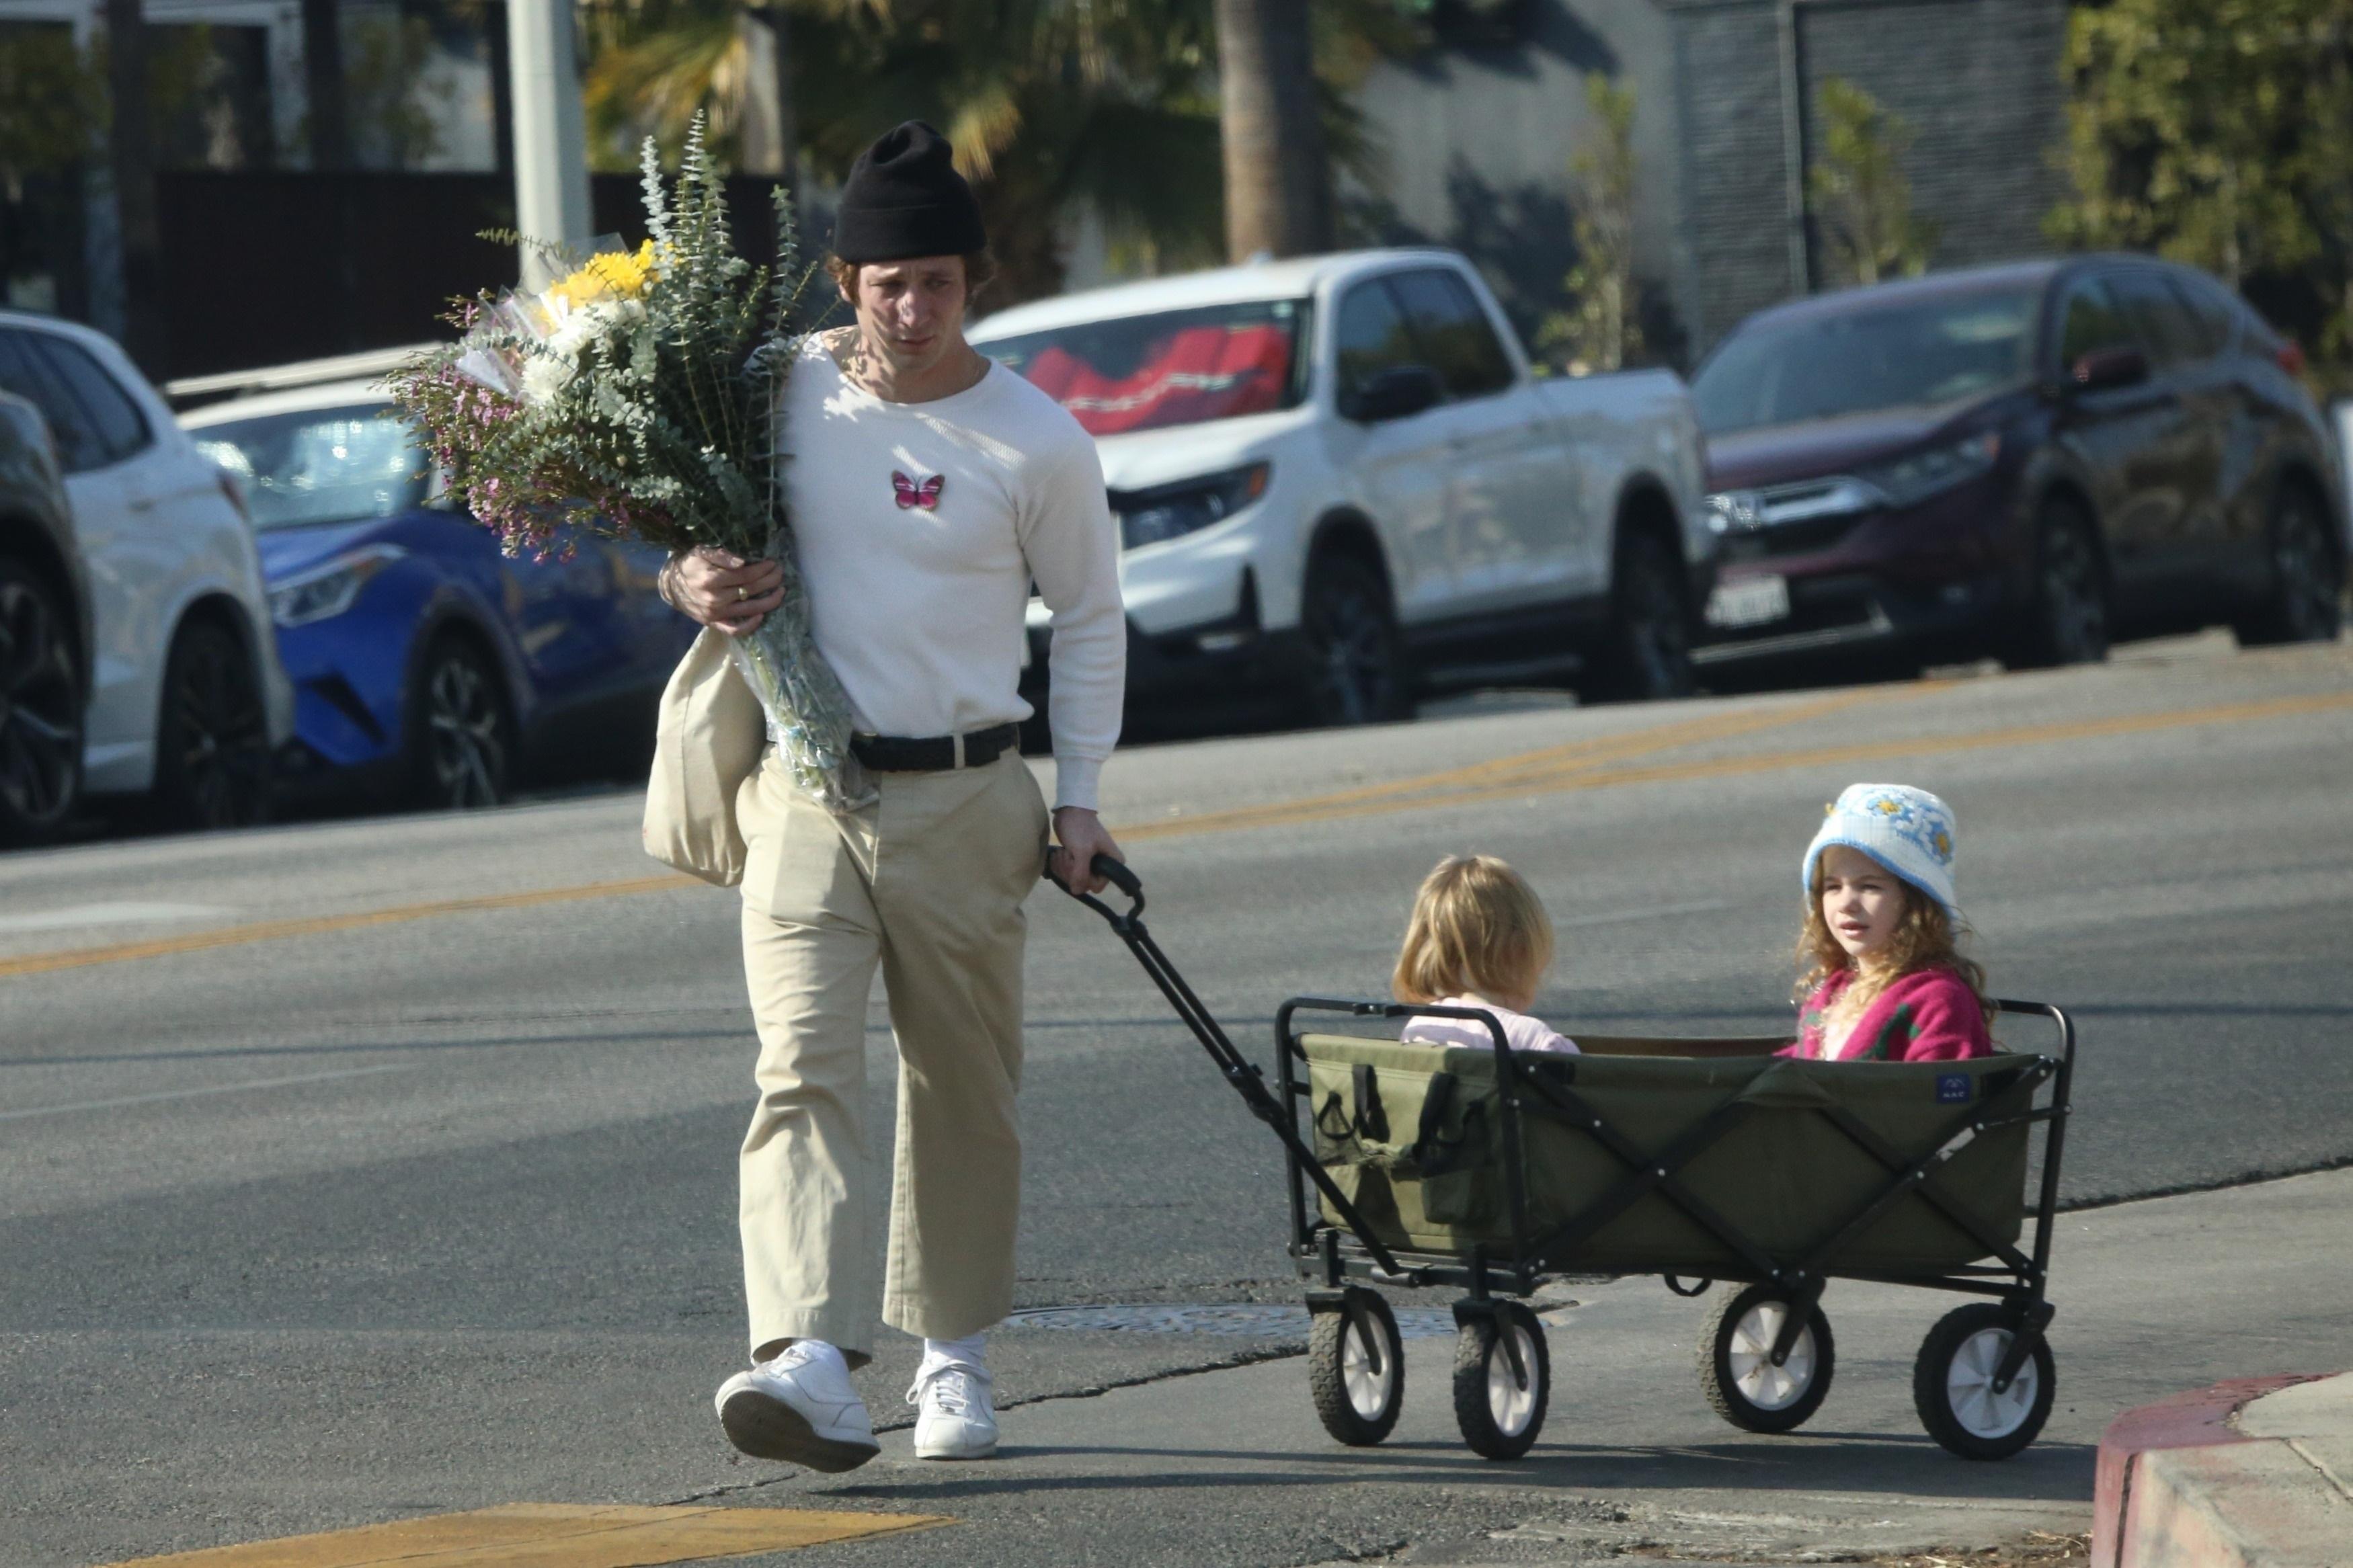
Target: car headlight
[(1171, 512), (1924, 474), (326, 590)]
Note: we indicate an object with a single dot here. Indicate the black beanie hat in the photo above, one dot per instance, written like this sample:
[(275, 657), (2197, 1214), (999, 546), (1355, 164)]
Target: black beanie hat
[(905, 199)]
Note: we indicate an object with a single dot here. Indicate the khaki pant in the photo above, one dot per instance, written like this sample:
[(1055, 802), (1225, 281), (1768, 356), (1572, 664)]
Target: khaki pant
[(928, 882)]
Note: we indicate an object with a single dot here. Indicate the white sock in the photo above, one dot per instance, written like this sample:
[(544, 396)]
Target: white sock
[(967, 1352)]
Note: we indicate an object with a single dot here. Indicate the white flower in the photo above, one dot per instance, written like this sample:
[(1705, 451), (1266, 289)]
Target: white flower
[(549, 370)]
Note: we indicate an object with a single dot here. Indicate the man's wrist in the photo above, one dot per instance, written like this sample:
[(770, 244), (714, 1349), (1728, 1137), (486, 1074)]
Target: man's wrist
[(1075, 782)]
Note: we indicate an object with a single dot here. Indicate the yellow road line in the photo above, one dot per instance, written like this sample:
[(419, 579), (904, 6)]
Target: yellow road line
[(268, 931), (1553, 770), (1405, 795), (1583, 753), (554, 1535), (1875, 750)]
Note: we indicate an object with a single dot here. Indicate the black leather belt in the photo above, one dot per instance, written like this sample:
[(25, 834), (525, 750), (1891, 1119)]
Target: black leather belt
[(933, 753)]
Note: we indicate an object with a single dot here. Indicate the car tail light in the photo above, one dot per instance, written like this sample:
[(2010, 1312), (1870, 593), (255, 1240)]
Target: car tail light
[(236, 493), (2291, 357)]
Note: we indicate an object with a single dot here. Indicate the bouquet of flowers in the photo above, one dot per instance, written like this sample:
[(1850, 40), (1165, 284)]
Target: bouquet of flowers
[(637, 397)]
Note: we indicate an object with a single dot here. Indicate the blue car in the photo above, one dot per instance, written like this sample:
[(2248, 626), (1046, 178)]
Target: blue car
[(428, 668)]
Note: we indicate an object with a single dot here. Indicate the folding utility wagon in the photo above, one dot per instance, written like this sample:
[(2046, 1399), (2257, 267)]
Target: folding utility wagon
[(1496, 1172)]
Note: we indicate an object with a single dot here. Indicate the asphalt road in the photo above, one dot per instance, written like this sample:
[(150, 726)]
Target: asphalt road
[(358, 1170)]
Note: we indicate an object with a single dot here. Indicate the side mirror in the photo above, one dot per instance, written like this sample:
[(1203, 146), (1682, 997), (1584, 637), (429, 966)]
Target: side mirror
[(2105, 368), (1395, 393)]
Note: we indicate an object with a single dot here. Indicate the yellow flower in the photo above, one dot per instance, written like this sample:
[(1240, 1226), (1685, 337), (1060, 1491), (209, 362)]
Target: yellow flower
[(610, 273)]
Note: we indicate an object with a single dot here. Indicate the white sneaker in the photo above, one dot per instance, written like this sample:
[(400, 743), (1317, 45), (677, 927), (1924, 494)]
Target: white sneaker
[(955, 1419), (800, 1408)]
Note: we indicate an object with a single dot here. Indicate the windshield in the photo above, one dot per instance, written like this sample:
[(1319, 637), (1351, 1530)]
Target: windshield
[(1176, 367), (323, 465), (1897, 355)]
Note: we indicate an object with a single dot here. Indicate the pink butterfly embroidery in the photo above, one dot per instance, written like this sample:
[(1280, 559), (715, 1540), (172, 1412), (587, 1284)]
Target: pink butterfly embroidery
[(925, 495)]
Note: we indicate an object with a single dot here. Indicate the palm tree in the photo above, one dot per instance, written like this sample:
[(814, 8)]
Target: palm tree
[(653, 65), (1051, 105), (1278, 177)]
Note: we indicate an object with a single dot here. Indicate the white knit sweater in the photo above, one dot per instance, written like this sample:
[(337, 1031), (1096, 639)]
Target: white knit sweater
[(920, 609)]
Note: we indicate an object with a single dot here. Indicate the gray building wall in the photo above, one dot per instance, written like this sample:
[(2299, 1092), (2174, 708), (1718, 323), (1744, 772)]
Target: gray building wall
[(1477, 142), (1474, 145), (1978, 81)]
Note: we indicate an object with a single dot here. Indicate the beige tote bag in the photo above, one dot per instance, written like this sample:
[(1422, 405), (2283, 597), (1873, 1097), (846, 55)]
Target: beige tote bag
[(706, 743)]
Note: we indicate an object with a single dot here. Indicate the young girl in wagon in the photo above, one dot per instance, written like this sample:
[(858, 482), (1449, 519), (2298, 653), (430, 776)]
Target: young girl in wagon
[(1884, 978), (1479, 938)]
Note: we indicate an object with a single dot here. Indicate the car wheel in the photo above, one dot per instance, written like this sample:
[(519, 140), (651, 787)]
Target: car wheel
[(2303, 600), (212, 747), (1647, 655), (40, 710), (2065, 620), (1356, 671), (461, 738)]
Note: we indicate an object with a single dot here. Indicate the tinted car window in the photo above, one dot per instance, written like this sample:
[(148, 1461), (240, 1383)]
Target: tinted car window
[(117, 420), (1372, 336), (79, 446), (2160, 320), (1454, 332), (2090, 320), (2214, 313), (1883, 353), (1172, 367), (325, 465)]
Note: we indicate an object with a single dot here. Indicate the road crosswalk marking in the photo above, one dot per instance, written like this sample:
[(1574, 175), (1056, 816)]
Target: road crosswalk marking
[(552, 1535)]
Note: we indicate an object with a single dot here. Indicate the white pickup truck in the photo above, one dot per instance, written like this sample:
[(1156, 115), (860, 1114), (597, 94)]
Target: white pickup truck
[(1337, 481)]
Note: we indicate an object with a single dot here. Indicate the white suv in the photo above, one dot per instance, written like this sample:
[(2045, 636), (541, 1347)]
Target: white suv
[(1337, 479), (186, 698)]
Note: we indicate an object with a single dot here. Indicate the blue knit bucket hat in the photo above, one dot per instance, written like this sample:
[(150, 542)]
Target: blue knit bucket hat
[(1907, 830)]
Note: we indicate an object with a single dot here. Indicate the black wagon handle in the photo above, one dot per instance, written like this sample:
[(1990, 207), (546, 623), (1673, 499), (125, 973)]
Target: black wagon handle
[(1117, 874), (1248, 1081)]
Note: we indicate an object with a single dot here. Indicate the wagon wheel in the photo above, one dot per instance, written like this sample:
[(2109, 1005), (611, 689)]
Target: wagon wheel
[(1499, 1406), (1952, 1384), (1735, 1361), (1355, 1368)]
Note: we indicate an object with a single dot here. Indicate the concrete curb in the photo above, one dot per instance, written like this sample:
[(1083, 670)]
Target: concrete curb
[(2251, 1474)]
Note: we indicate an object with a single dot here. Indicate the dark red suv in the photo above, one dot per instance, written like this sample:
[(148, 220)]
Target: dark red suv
[(2021, 460)]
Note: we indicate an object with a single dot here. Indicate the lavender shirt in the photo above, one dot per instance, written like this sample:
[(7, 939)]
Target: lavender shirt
[(1521, 1032)]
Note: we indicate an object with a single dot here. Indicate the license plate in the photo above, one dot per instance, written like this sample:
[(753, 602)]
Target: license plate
[(1749, 602)]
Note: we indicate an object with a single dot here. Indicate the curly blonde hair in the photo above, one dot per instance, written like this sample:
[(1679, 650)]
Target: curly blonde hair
[(1925, 938), (1477, 926)]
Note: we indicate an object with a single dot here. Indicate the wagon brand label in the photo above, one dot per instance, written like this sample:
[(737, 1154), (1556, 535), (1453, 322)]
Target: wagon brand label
[(1954, 1088)]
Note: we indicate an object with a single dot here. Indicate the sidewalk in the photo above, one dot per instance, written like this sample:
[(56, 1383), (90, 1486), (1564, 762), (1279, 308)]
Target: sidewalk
[(2255, 1474)]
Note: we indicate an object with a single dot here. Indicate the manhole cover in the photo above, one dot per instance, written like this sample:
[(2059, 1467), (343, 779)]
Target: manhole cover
[(1248, 1321)]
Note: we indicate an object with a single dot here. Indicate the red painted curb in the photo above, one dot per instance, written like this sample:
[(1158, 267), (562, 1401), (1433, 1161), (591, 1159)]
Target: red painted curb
[(2199, 1419)]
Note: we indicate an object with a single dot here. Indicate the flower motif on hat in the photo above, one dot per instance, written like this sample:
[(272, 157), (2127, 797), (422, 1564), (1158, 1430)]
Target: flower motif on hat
[(1907, 830)]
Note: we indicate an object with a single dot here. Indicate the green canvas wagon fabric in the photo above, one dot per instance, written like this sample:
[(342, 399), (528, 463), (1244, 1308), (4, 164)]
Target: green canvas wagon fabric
[(1412, 1134)]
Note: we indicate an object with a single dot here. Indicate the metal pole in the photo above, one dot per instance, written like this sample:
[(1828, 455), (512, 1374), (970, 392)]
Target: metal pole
[(1793, 148), (551, 150)]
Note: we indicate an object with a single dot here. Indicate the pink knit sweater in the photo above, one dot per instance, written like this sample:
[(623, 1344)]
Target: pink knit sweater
[(1928, 1015)]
